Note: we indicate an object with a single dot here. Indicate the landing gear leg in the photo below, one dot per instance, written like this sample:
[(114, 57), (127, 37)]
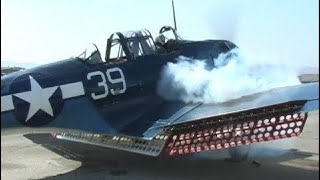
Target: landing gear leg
[(239, 153)]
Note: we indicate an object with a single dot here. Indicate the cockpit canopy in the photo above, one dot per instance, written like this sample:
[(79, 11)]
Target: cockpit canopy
[(169, 33), (133, 44), (91, 55)]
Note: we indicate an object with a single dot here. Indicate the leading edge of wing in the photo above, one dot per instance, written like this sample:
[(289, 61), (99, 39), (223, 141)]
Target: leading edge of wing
[(308, 92)]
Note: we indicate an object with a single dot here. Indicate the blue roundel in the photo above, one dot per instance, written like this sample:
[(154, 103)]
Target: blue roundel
[(37, 99)]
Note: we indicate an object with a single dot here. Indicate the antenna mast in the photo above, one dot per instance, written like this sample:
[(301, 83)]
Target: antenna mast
[(174, 16)]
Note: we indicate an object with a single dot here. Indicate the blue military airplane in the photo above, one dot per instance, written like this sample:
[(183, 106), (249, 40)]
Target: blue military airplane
[(114, 103)]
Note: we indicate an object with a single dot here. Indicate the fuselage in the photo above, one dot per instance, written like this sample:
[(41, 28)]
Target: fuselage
[(68, 93)]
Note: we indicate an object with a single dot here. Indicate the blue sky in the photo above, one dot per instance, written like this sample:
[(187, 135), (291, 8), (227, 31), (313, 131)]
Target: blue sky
[(44, 31)]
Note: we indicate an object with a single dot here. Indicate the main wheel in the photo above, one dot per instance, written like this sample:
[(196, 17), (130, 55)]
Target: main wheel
[(239, 153)]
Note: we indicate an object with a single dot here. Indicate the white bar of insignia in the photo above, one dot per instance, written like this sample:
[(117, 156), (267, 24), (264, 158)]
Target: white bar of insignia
[(72, 90), (6, 103)]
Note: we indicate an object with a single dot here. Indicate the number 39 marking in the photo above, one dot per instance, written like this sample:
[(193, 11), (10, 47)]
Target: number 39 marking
[(103, 82)]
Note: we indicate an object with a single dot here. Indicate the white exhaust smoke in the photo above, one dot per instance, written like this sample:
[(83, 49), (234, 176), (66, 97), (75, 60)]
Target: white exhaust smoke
[(235, 75)]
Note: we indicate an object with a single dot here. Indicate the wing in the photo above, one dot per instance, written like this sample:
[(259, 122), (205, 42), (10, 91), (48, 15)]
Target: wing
[(173, 128)]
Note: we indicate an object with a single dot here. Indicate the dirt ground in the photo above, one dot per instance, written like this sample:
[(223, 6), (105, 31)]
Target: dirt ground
[(26, 155)]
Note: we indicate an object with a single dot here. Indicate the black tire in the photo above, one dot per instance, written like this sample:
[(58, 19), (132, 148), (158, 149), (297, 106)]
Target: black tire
[(239, 153)]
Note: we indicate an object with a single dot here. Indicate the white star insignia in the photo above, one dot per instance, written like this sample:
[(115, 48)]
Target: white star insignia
[(38, 98)]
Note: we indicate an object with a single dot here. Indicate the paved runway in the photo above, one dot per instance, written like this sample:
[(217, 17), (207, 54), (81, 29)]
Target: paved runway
[(38, 156)]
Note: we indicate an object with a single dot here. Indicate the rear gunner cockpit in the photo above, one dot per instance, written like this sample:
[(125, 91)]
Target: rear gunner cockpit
[(91, 55)]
